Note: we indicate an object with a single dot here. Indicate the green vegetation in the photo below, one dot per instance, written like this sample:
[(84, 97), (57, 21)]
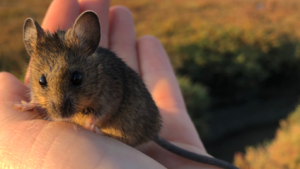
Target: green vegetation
[(196, 100), (282, 152), (231, 46)]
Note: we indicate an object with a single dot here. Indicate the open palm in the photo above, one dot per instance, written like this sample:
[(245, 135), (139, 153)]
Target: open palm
[(28, 142)]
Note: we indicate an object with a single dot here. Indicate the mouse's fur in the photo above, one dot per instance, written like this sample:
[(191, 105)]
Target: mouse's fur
[(110, 91)]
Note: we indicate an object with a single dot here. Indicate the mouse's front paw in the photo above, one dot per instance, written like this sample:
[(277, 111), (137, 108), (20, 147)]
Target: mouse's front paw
[(90, 125), (93, 128), (24, 106)]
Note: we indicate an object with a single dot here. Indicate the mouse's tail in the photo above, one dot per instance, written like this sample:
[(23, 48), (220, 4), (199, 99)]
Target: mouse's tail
[(192, 156)]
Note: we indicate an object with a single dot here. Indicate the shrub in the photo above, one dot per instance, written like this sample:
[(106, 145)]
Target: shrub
[(236, 66), (230, 46), (282, 152), (197, 101)]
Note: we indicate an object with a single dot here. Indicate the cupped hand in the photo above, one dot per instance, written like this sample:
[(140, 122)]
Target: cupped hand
[(28, 142)]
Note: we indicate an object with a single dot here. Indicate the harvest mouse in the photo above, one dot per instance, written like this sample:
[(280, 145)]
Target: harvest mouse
[(74, 80)]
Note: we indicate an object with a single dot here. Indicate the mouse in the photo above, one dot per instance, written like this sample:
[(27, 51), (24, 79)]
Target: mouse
[(75, 80)]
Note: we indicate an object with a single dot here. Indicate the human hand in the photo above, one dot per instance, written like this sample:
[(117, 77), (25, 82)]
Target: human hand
[(27, 142)]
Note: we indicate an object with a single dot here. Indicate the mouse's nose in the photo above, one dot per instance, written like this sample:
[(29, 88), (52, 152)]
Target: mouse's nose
[(67, 108)]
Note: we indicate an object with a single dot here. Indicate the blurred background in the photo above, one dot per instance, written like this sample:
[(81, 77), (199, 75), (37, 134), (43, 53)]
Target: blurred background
[(237, 63)]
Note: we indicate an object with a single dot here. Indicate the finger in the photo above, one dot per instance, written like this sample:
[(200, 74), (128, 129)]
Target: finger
[(160, 79), (12, 91), (62, 145), (60, 15), (122, 39), (101, 7)]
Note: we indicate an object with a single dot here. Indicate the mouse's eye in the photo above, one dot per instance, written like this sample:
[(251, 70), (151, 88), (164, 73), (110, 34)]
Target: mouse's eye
[(76, 78), (43, 81)]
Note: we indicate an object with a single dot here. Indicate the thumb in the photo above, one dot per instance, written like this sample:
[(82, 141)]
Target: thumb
[(12, 91)]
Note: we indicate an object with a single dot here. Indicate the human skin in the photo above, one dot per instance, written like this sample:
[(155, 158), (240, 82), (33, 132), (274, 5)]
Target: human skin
[(26, 141)]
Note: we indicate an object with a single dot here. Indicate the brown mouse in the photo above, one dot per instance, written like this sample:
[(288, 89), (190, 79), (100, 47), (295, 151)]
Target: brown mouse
[(74, 80)]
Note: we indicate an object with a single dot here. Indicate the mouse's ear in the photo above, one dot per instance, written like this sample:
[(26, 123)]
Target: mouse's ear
[(32, 33), (87, 31)]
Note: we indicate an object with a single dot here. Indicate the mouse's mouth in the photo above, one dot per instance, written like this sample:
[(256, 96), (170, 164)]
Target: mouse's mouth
[(57, 115), (68, 108), (64, 111)]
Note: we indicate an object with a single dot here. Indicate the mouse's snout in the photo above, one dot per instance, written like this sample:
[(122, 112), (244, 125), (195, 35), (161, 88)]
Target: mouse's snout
[(62, 109), (67, 108)]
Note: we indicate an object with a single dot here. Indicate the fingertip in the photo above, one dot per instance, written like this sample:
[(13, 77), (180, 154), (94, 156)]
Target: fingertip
[(150, 42), (122, 37), (6, 75), (61, 14), (10, 84), (152, 56), (12, 90), (8, 79), (120, 9), (121, 14), (149, 39)]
